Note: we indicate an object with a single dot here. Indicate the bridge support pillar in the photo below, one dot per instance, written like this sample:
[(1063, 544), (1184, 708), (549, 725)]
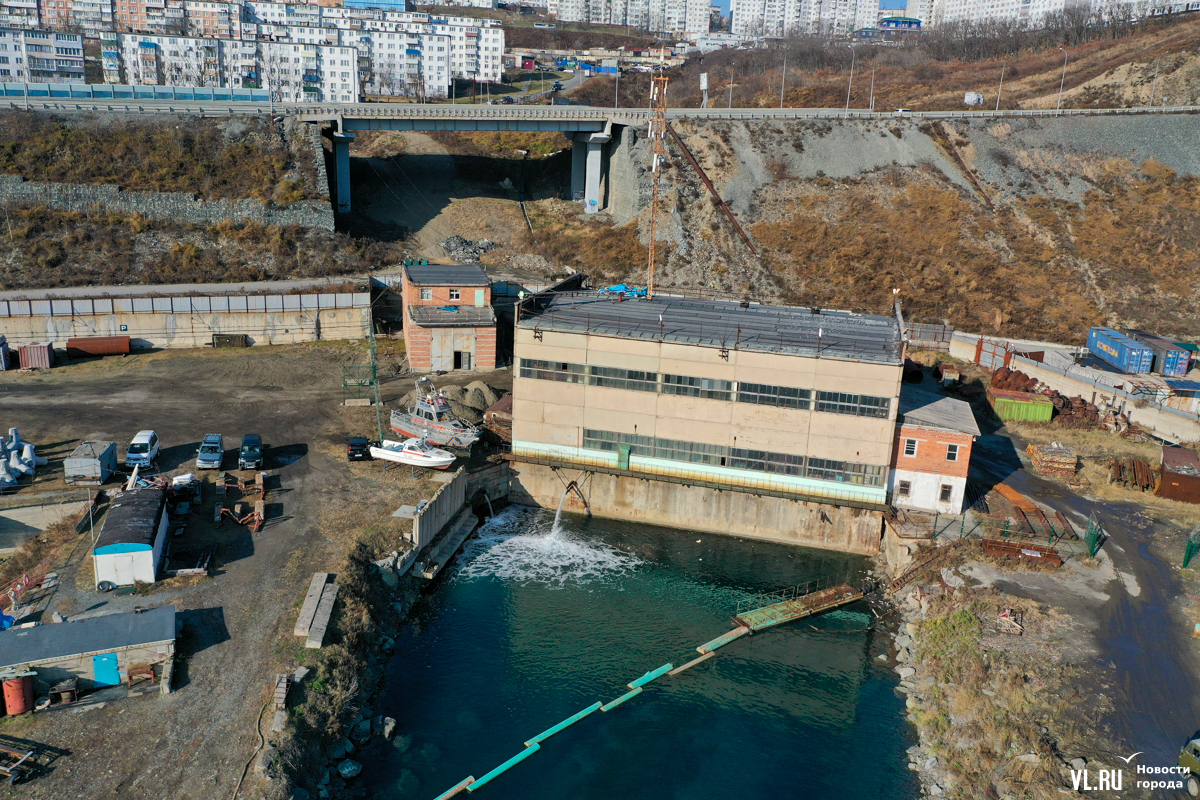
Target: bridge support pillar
[(588, 165), (341, 166)]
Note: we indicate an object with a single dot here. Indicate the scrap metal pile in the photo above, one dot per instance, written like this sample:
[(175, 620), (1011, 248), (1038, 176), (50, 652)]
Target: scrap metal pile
[(1132, 473), (1053, 459), (1070, 412)]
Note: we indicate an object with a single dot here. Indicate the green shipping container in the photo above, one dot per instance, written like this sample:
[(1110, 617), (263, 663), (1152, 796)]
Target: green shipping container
[(1020, 407)]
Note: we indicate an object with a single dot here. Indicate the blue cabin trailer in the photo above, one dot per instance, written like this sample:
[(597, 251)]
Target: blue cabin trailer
[(1121, 351), (1170, 359)]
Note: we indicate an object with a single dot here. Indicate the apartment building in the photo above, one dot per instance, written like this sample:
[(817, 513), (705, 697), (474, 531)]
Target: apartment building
[(40, 56), (776, 18), (292, 71), (660, 16)]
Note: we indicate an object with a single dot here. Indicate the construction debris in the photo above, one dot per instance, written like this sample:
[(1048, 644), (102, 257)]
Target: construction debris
[(1053, 459), (1132, 473), (1010, 621), (465, 251), (1070, 412)]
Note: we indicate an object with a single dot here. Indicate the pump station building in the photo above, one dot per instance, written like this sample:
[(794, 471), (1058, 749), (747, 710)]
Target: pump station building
[(761, 421)]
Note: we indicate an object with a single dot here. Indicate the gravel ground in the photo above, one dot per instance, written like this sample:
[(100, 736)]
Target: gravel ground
[(194, 742)]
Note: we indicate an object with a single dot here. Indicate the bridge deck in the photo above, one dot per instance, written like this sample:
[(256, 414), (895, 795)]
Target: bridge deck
[(800, 607)]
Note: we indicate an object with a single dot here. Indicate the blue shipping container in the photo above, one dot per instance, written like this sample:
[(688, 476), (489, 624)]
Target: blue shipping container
[(1119, 350), (1170, 359)]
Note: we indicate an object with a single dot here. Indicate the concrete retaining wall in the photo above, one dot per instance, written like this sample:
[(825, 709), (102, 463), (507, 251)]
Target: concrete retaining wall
[(626, 193), (444, 504), (174, 206), (847, 530), (167, 330)]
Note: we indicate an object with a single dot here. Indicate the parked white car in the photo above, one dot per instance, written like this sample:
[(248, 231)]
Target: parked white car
[(143, 450)]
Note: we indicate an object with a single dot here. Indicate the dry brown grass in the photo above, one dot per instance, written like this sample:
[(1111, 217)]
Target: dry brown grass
[(606, 252), (52, 546)]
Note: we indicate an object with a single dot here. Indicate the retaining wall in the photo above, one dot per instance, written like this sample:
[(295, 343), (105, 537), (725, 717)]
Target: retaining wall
[(166, 330), (848, 530), (175, 206), (441, 508)]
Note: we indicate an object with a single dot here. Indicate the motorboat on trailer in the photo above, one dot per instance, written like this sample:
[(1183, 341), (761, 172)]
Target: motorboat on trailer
[(430, 418), (414, 451)]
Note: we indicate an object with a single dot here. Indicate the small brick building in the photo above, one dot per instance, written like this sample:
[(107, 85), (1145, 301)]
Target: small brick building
[(932, 454), (449, 322)]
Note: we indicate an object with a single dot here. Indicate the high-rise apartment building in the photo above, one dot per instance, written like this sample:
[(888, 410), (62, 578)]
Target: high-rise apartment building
[(40, 56)]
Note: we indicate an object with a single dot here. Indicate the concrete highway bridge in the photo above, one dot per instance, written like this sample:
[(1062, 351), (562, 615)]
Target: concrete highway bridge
[(595, 132)]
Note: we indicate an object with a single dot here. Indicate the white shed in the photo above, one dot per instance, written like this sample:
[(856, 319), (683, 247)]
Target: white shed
[(131, 542)]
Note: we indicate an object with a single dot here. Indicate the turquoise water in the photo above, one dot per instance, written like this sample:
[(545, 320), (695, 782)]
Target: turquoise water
[(534, 625)]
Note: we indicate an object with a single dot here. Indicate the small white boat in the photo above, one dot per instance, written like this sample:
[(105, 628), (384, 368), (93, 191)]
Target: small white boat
[(415, 451)]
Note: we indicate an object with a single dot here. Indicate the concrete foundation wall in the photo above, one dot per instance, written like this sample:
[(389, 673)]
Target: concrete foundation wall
[(847, 530), (193, 330), (627, 192)]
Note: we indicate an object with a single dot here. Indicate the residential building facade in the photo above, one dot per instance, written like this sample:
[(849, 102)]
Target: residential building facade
[(40, 56)]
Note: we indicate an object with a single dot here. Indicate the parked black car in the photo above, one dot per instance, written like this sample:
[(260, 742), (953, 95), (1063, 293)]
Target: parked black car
[(252, 452), (358, 449), (507, 100)]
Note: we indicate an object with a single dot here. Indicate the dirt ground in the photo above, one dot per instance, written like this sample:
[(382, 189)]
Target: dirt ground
[(195, 742)]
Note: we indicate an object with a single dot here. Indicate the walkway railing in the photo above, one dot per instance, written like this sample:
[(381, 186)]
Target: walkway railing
[(791, 593)]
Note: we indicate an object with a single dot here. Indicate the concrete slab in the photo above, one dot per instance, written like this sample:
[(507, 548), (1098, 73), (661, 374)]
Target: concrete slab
[(19, 523), (405, 512)]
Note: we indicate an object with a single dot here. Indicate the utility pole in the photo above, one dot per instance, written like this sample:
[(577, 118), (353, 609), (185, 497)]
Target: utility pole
[(731, 88), (872, 106), (658, 146), (1061, 83), (375, 380), (1001, 89), (850, 85), (783, 80), (1154, 86), (617, 88)]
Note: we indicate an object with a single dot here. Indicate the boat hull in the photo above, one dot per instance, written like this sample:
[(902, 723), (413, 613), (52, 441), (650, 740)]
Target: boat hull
[(442, 460), (407, 426)]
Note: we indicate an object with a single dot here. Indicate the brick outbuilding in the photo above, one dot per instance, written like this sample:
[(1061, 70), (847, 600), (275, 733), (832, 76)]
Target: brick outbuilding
[(449, 322), (932, 453)]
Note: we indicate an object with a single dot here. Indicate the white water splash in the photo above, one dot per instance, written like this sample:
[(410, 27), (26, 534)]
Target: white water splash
[(517, 545), (556, 528)]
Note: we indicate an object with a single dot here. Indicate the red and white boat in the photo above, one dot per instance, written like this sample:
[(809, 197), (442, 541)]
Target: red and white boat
[(415, 451)]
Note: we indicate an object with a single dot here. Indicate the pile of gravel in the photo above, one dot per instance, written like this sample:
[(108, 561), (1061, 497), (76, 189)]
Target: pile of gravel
[(466, 251), (467, 402)]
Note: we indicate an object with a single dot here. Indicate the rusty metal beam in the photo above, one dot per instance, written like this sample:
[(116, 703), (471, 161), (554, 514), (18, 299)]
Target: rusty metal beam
[(712, 189)]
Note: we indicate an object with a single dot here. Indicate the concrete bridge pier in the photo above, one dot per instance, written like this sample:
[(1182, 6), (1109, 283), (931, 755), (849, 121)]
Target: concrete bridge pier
[(341, 166), (589, 165)]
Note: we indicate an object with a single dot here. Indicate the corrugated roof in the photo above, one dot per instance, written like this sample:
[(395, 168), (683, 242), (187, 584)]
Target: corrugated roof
[(462, 316), (19, 646), (789, 330), (133, 517), (934, 411), (446, 275)]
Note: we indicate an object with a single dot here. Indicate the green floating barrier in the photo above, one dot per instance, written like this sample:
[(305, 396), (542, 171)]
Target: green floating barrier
[(546, 734), (512, 762), (723, 639), (458, 787), (621, 699), (651, 675)]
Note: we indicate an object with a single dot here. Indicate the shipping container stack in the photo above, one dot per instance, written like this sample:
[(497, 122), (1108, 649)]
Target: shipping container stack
[(1170, 360), (1115, 348)]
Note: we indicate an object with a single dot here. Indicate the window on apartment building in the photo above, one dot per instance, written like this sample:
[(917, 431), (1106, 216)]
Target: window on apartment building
[(904, 488), (455, 294), (427, 294), (952, 452), (946, 493), (910, 448)]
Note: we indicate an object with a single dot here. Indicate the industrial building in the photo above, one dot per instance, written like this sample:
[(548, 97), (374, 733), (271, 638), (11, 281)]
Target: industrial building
[(130, 545), (765, 421), (449, 322), (932, 453), (135, 648)]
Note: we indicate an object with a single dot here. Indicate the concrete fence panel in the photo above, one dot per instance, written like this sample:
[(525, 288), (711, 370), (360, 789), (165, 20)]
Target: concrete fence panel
[(444, 504)]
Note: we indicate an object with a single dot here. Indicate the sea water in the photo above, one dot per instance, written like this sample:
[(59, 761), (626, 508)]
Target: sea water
[(540, 618)]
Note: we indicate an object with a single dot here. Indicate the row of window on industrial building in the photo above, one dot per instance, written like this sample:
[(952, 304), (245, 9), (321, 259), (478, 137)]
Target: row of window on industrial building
[(716, 455), (859, 405)]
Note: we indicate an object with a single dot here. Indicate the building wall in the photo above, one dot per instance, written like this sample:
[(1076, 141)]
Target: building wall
[(40, 56), (193, 330), (695, 508), (81, 667), (420, 346), (928, 470), (557, 413)]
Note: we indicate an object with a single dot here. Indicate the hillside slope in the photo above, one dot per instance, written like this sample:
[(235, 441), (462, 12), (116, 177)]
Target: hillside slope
[(1032, 228)]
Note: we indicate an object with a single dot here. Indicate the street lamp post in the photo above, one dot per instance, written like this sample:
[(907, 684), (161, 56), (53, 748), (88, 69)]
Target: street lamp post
[(850, 85), (1001, 89), (1061, 83), (872, 103), (1154, 86), (731, 88)]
